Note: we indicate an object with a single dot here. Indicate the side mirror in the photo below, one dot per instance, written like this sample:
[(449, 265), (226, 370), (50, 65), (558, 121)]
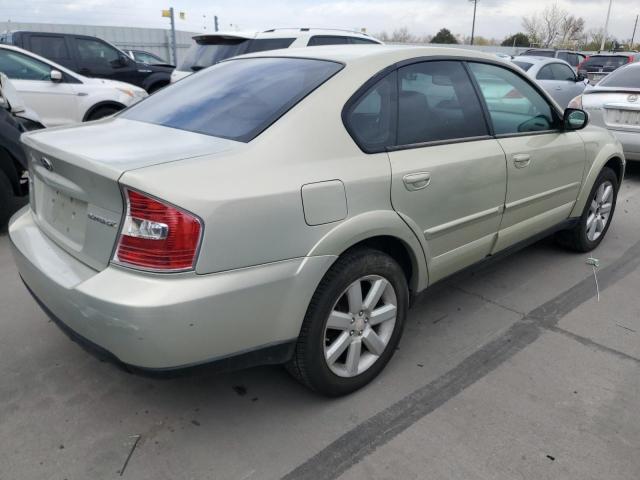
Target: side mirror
[(575, 119), (581, 77), (56, 76)]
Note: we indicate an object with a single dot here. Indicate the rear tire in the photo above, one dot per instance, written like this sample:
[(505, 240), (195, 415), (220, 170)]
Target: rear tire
[(102, 112), (342, 347), (596, 217)]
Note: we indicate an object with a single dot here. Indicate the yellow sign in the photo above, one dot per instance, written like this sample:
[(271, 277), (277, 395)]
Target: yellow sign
[(166, 13)]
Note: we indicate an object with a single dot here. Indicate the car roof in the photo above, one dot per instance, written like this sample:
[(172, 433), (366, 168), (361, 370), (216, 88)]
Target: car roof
[(539, 60), (358, 53), (283, 32)]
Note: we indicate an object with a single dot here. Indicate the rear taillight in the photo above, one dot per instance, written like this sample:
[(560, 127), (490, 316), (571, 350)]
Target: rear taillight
[(579, 67), (157, 236), (630, 59), (576, 102)]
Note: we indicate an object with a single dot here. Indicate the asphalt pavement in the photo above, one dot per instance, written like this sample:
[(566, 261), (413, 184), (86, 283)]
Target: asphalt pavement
[(511, 371)]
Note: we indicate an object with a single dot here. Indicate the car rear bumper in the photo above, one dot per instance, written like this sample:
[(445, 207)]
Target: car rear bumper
[(161, 322), (630, 143)]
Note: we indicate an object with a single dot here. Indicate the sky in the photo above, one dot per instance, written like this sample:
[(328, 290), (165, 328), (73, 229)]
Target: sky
[(495, 18)]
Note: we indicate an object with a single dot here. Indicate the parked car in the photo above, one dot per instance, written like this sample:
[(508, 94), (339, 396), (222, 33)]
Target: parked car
[(276, 209), (569, 56), (142, 56), (598, 66), (60, 96), (209, 49), (556, 77), (614, 103), (91, 57), (15, 119)]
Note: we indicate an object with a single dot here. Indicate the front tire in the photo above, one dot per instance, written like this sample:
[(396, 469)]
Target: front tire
[(597, 215), (353, 323)]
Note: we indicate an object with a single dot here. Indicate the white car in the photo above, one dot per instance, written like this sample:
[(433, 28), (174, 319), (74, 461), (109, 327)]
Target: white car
[(555, 76), (209, 49), (60, 96)]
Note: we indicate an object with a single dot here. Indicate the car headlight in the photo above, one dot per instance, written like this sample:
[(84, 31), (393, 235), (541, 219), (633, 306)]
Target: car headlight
[(576, 102)]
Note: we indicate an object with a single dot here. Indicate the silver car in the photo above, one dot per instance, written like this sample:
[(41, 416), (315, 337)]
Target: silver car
[(556, 77), (614, 103), (284, 207)]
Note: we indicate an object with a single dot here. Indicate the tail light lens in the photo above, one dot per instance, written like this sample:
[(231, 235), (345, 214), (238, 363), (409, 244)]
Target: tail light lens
[(157, 236), (581, 64), (576, 102)]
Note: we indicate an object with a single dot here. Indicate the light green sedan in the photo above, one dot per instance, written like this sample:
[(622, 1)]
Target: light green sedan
[(285, 207)]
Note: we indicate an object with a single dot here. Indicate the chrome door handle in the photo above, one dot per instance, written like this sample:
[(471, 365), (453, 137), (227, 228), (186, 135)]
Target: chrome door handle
[(416, 181), (558, 88), (521, 160)]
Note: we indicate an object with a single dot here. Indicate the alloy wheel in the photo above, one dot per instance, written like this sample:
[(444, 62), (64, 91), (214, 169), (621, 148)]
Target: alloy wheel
[(360, 326), (600, 211)]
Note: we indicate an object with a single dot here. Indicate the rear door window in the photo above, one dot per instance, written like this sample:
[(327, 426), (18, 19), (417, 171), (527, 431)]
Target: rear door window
[(545, 73), (52, 47), (562, 72), (437, 102), (361, 41), (563, 56), (266, 44), (237, 99), (513, 104)]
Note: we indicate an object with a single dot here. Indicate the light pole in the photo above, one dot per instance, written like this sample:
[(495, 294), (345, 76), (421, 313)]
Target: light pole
[(606, 27), (473, 25)]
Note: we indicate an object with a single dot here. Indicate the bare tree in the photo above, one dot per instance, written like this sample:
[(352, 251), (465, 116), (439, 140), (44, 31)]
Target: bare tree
[(571, 30), (402, 35), (552, 26)]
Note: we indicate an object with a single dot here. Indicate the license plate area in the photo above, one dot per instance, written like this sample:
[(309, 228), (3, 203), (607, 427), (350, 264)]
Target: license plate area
[(623, 118), (64, 214)]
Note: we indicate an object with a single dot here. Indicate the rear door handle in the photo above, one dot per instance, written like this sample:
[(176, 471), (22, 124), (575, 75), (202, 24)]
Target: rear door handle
[(416, 181), (521, 160)]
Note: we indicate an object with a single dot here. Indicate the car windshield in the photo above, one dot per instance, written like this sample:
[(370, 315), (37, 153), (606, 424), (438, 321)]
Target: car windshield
[(236, 99), (524, 65), (606, 62), (207, 52), (628, 77)]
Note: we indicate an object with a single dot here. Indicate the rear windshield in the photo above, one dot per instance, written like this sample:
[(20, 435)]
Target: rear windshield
[(627, 77), (203, 54), (209, 51), (606, 62), (237, 99), (524, 65)]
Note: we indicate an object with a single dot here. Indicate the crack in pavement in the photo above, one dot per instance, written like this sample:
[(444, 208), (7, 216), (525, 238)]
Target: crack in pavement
[(357, 443)]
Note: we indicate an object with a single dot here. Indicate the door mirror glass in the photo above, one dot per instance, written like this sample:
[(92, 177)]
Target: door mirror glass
[(575, 119), (56, 76)]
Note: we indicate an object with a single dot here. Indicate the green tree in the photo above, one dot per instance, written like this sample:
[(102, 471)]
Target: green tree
[(518, 40), (444, 36)]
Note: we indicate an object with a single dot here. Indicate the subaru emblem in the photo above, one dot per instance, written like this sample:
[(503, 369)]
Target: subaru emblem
[(632, 98), (46, 163)]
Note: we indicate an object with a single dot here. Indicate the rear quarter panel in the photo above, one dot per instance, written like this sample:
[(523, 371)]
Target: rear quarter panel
[(600, 147)]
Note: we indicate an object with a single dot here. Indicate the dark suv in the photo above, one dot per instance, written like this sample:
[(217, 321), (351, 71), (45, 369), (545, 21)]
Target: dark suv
[(91, 56)]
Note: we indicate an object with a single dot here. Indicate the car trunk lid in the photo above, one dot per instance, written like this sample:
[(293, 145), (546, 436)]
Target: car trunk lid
[(74, 172)]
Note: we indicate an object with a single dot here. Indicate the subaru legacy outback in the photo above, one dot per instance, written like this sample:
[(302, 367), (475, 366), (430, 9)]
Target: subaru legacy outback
[(284, 207)]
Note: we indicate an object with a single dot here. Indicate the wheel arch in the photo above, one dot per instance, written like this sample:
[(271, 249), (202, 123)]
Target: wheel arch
[(384, 231), (607, 158), (156, 78), (104, 103)]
